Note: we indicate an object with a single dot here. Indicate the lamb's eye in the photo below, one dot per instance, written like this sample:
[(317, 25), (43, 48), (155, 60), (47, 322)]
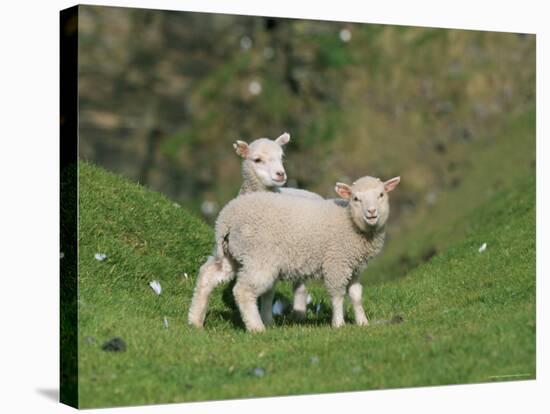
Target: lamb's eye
[(355, 198), (257, 160), (381, 195)]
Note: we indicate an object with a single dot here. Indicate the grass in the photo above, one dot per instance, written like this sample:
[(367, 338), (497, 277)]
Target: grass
[(490, 168), (461, 317)]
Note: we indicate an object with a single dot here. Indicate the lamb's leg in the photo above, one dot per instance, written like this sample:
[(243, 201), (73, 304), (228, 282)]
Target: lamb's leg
[(250, 285), (355, 291), (337, 278), (337, 299), (300, 301), (266, 306), (211, 274)]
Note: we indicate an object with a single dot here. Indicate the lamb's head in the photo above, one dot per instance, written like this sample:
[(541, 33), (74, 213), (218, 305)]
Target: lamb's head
[(368, 200), (264, 158)]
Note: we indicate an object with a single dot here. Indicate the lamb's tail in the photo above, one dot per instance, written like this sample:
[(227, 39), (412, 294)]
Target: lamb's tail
[(222, 240), (217, 269)]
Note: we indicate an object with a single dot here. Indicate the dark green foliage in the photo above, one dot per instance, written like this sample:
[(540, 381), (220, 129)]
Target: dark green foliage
[(331, 52), (390, 100)]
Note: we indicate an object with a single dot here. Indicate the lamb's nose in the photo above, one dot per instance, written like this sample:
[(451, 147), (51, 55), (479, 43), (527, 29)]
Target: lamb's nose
[(371, 211), (280, 174)]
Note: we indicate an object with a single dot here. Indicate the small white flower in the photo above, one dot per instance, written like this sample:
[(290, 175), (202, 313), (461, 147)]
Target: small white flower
[(165, 322), (255, 88), (185, 275), (345, 35), (269, 52), (246, 42), (431, 197), (258, 372), (209, 208), (100, 256), (177, 205), (61, 255), (308, 299), (155, 285), (483, 247), (278, 308)]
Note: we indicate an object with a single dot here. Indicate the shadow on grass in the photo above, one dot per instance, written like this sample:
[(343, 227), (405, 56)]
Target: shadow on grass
[(289, 320), (322, 317), (231, 315)]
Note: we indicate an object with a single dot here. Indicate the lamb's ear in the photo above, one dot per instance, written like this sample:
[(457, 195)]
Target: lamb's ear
[(343, 190), (241, 148), (391, 184), (283, 139)]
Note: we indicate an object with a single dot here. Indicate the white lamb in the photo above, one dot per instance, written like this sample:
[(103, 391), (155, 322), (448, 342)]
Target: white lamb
[(262, 236), (263, 170), (262, 167)]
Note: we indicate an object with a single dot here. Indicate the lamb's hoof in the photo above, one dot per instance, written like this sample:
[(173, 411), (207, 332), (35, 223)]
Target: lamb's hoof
[(255, 329), (338, 324), (362, 322), (195, 323)]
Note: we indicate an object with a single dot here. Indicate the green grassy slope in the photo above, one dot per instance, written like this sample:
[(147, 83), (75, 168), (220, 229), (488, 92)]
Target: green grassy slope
[(464, 316), (492, 167)]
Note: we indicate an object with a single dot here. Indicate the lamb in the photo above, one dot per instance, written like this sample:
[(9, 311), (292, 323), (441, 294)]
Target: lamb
[(262, 167), (262, 236), (262, 170)]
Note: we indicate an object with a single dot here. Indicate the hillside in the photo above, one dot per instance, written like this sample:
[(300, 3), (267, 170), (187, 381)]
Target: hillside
[(460, 317), (490, 168), (161, 100)]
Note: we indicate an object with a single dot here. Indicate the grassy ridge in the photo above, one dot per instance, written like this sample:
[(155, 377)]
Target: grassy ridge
[(491, 168), (465, 316)]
